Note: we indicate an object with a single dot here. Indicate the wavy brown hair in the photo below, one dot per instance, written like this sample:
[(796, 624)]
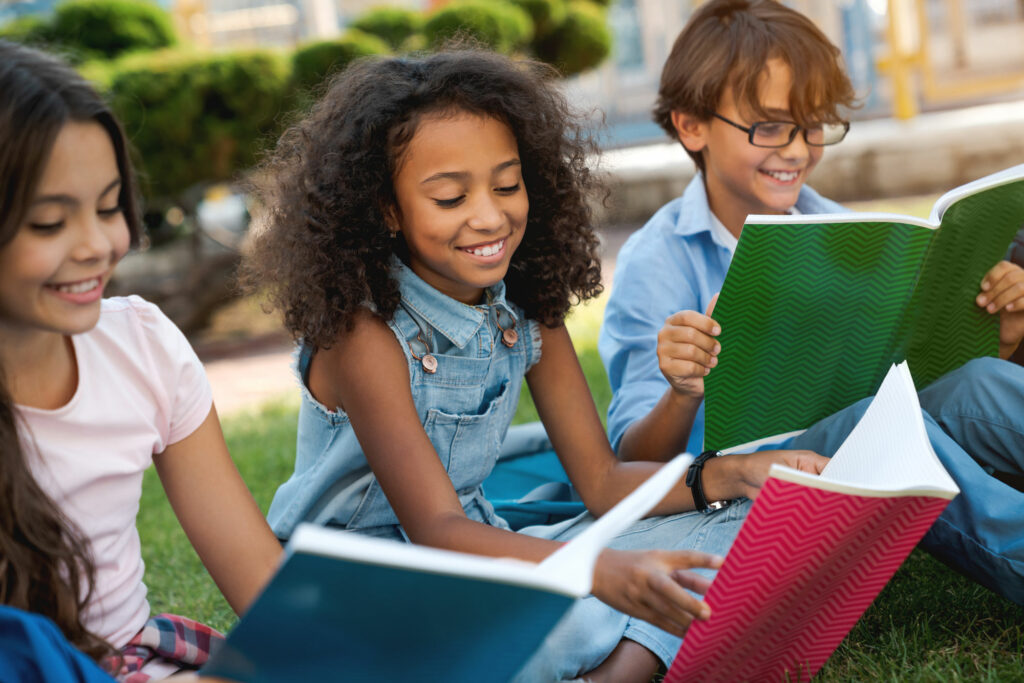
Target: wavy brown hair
[(726, 43), (322, 250), (46, 564)]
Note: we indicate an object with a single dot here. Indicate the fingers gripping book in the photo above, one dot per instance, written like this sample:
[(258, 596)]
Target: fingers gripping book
[(347, 607), (816, 550), (815, 308)]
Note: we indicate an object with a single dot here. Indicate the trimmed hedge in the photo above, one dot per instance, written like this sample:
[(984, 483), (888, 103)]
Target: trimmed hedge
[(109, 28), (196, 117), (581, 42), (394, 25), (500, 26), (547, 15), (312, 63)]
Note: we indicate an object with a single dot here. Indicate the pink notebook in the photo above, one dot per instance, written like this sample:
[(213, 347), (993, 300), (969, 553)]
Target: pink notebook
[(815, 551)]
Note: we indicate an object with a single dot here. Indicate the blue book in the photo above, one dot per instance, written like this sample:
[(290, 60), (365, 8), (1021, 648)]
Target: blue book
[(348, 607)]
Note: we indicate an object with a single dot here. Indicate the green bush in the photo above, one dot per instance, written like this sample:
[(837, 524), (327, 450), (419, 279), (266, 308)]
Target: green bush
[(581, 42), (30, 29), (314, 62), (393, 25), (500, 26), (546, 14), (194, 117), (109, 28)]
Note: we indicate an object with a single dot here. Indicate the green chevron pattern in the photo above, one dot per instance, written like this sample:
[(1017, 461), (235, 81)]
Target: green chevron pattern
[(813, 314), (945, 327), (808, 325)]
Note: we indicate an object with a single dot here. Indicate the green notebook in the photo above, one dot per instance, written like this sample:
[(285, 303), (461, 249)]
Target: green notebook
[(815, 309)]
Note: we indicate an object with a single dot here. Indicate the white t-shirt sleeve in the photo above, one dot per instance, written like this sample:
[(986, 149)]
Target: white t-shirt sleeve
[(178, 371)]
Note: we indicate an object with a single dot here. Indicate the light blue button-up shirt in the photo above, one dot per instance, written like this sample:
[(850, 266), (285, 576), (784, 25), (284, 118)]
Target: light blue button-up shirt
[(676, 262)]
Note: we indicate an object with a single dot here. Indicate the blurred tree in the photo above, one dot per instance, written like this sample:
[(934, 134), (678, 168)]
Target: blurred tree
[(109, 28), (313, 63), (580, 42), (30, 29), (547, 15), (195, 117), (499, 25), (394, 25)]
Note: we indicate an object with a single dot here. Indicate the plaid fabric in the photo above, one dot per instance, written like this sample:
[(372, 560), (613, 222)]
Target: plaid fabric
[(166, 644)]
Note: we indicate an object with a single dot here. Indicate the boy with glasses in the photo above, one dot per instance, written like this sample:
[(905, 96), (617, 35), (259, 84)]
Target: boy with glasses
[(753, 91)]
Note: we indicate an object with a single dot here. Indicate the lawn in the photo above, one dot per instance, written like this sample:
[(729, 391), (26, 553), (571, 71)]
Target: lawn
[(928, 624)]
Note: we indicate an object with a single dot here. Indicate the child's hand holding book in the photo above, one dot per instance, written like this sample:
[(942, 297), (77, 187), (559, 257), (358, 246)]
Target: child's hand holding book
[(650, 585), (1002, 292)]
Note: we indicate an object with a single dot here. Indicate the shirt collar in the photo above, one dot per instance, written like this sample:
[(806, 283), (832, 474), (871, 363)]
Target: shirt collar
[(453, 319), (695, 214)]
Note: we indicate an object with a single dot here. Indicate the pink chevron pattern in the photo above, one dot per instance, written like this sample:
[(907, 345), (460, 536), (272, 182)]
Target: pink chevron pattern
[(805, 566)]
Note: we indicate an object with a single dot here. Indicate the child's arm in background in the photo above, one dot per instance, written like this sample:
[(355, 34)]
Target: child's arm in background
[(366, 373), (1002, 292), (217, 512), (687, 350)]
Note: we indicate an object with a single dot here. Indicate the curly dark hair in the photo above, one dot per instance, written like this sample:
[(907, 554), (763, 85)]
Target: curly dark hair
[(322, 248)]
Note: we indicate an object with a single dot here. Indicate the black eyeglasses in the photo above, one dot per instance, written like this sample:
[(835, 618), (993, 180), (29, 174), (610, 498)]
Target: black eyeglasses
[(781, 133)]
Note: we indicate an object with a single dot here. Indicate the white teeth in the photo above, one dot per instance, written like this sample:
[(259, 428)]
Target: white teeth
[(489, 249), (80, 287), (783, 176)]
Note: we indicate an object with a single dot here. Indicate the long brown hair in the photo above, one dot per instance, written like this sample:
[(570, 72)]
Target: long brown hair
[(46, 565)]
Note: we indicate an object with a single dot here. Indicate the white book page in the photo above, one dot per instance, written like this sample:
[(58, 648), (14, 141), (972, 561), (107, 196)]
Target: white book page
[(889, 450), (575, 560), (1003, 177)]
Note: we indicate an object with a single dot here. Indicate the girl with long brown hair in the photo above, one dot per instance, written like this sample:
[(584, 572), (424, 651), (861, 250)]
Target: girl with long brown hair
[(97, 390)]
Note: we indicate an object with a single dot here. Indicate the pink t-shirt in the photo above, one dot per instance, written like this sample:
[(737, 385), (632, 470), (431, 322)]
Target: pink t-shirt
[(140, 388)]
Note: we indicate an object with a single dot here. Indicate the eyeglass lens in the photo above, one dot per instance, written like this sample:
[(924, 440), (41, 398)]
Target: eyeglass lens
[(781, 133)]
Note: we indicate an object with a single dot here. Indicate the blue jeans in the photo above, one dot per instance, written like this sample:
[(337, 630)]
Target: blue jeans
[(975, 421), (590, 630)]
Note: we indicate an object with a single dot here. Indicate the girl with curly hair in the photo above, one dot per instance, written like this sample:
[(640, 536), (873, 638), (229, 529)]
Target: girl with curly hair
[(94, 391), (425, 235)]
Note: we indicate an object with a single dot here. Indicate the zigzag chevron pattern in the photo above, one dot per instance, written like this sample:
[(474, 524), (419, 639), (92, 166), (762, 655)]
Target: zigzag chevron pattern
[(813, 314), (948, 328), (805, 566), (808, 327)]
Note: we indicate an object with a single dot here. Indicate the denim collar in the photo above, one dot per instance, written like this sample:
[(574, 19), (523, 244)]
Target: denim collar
[(695, 215), (453, 319)]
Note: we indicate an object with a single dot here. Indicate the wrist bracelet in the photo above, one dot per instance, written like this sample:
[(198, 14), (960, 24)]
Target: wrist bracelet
[(695, 481)]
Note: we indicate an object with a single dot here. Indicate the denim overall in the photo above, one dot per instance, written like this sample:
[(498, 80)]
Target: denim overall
[(465, 408)]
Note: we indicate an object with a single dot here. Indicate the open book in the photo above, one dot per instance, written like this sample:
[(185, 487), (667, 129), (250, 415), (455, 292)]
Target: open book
[(815, 308), (347, 607), (816, 550)]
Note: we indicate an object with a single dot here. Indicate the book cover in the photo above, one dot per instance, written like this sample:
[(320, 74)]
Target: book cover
[(347, 607), (815, 308), (816, 550)]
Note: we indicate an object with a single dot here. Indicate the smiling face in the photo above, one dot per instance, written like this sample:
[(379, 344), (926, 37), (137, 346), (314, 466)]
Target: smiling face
[(53, 271), (461, 202), (742, 179)]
